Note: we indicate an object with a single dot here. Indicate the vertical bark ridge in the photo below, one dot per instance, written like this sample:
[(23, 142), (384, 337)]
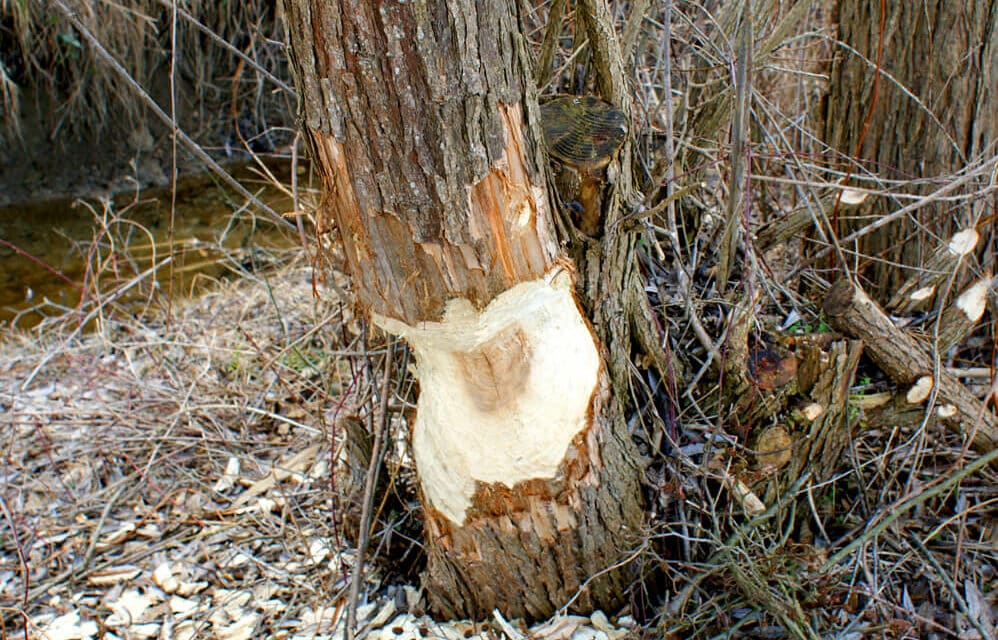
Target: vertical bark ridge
[(422, 119), (529, 549), (945, 117)]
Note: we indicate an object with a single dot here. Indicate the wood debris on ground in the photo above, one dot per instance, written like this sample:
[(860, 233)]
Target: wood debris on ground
[(172, 480)]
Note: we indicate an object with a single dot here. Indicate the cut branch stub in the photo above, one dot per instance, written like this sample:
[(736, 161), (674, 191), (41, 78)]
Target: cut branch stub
[(824, 425), (903, 358), (773, 448), (583, 131), (771, 367), (919, 289), (584, 134), (959, 319)]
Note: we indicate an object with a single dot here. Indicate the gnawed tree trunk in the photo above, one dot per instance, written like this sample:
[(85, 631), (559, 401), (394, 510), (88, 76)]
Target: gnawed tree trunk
[(935, 112), (423, 123)]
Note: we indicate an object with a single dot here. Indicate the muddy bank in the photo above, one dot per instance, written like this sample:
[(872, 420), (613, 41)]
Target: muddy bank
[(74, 122), (47, 160)]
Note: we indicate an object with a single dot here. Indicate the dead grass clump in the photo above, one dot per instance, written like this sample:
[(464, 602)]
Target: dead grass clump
[(187, 53)]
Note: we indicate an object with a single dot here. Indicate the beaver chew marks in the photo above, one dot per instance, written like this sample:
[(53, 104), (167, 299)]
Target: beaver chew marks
[(496, 371), (503, 390)]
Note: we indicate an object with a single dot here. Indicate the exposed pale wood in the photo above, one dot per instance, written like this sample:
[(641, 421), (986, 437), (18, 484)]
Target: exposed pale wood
[(897, 413), (960, 317), (903, 358), (919, 290)]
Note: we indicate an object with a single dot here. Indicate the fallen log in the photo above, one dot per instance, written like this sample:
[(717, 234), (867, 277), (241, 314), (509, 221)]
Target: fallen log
[(910, 363)]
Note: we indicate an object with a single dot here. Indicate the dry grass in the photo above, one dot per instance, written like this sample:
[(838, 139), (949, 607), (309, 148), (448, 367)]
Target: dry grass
[(42, 50), (198, 442)]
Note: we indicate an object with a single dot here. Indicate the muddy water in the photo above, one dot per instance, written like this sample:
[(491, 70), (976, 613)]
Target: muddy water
[(51, 252)]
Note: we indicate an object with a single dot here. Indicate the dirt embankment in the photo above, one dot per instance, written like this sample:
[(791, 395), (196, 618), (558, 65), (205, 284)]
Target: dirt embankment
[(50, 159), (45, 163), (74, 122)]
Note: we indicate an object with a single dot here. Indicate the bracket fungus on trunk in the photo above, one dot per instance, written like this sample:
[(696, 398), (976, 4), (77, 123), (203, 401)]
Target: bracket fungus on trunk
[(583, 134)]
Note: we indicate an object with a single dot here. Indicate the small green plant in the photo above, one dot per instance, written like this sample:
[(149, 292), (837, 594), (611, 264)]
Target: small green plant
[(804, 327), (854, 412), (301, 359), (71, 45)]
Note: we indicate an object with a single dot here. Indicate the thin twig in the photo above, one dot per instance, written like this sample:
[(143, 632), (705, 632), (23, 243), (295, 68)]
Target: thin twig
[(171, 4), (21, 559), (93, 313), (192, 146), (550, 43), (983, 168), (897, 510), (737, 188), (986, 634), (370, 483)]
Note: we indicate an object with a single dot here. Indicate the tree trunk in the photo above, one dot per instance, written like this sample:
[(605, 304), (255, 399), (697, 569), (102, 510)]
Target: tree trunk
[(422, 120), (934, 113)]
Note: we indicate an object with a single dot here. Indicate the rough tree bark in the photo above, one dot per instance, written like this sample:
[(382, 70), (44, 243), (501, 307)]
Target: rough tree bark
[(935, 113), (422, 120)]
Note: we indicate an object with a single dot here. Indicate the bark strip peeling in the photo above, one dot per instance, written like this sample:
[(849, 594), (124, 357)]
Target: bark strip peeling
[(417, 116), (504, 238)]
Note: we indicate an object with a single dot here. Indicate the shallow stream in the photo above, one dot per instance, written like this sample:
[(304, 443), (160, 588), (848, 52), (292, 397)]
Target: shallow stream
[(52, 251)]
